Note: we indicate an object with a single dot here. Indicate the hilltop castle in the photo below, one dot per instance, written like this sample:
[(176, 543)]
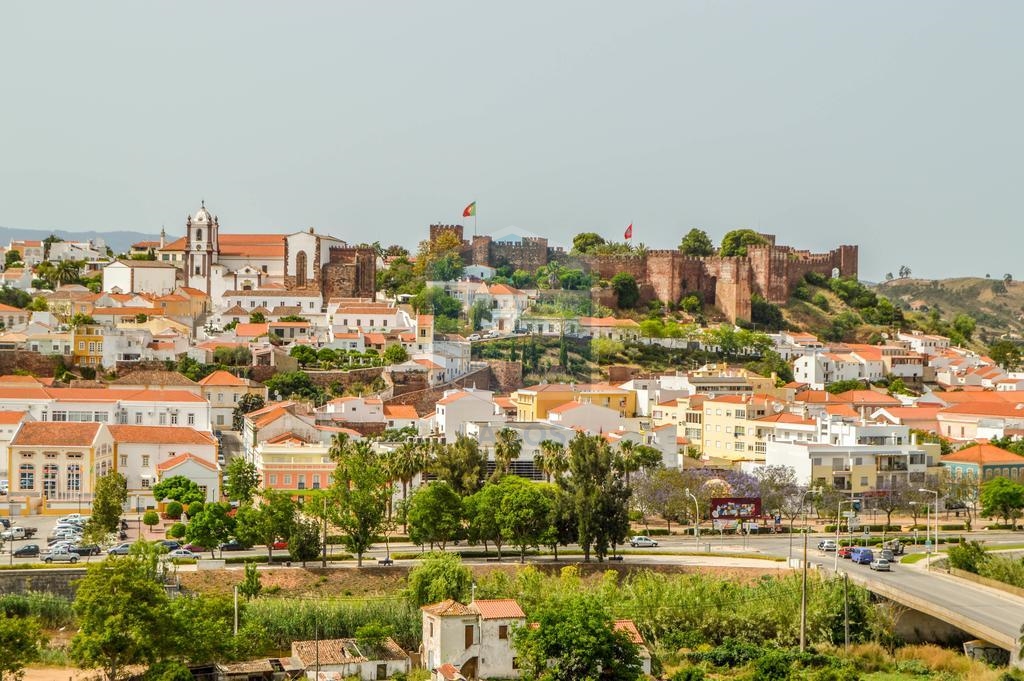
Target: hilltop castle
[(728, 283)]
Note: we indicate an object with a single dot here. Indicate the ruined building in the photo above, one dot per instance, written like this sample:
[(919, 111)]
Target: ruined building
[(728, 283)]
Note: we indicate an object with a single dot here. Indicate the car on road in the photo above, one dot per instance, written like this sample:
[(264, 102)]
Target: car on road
[(182, 553), (862, 555), (881, 565), (473, 337), (62, 556), (86, 550), (170, 544), (887, 554), (27, 551), (642, 541), (845, 551), (233, 545), (827, 545), (120, 550), (279, 545)]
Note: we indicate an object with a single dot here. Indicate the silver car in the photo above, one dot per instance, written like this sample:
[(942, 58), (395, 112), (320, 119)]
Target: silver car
[(642, 541)]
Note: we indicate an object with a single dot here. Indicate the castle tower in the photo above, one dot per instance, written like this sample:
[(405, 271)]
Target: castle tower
[(201, 248)]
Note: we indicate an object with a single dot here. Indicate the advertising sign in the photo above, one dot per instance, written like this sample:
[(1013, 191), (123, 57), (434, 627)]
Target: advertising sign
[(735, 507)]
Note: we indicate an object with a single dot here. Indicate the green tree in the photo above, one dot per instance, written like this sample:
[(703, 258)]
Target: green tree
[(551, 459), (434, 514), (439, 259), (303, 354), (525, 512), (435, 301), (1006, 354), (243, 480), (482, 510), (575, 638), (1002, 498), (627, 292), (294, 384), (122, 613), (272, 520), (765, 314), (21, 640), (304, 543), (12, 259), (211, 527), (736, 242), (247, 403), (179, 488), (250, 586), (460, 464), (605, 350), (586, 242), (38, 304), (438, 577), (507, 447), (150, 519), (107, 504), (479, 312), (840, 387), (631, 457), (195, 631), (697, 243), (964, 325), (257, 318), (600, 500), (395, 354), (360, 491)]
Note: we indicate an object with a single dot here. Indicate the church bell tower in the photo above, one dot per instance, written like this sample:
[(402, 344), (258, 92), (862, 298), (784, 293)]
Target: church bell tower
[(201, 248)]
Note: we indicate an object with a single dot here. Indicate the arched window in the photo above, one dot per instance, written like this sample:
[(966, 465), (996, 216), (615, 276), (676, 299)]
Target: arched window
[(300, 269), (199, 235), (27, 477)]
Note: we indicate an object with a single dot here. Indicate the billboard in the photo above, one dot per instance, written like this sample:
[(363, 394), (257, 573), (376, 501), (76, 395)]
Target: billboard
[(733, 508)]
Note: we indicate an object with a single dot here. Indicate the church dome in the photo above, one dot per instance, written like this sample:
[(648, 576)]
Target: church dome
[(203, 215)]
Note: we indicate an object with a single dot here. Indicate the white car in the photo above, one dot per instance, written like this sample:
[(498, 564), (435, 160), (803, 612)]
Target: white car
[(881, 565), (182, 553), (827, 545), (642, 541), (473, 337), (61, 556), (72, 518)]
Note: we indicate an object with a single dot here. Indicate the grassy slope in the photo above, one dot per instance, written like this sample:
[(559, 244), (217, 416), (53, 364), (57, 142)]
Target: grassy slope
[(995, 313)]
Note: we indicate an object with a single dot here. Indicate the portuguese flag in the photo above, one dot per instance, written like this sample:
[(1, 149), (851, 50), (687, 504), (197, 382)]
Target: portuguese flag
[(469, 211)]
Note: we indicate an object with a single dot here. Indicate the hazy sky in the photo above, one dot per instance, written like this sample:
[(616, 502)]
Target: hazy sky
[(893, 125)]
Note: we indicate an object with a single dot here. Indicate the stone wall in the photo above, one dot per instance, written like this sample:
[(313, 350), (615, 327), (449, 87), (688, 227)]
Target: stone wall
[(425, 401), (505, 376), (326, 379), (34, 363), (351, 272), (59, 581)]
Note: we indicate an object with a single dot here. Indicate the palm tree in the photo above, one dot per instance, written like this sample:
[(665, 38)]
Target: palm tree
[(632, 457), (406, 463), (67, 272), (339, 445), (507, 447), (551, 459)]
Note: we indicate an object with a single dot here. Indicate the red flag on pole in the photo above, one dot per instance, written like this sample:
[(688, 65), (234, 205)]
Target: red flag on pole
[(629, 231)]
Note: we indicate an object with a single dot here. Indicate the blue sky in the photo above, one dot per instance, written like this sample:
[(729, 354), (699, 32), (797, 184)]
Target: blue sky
[(896, 126)]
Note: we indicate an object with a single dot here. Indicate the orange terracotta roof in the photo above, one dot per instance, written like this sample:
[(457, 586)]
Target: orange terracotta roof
[(252, 330), (427, 363), (629, 627), (563, 408), (400, 411), (983, 455), (450, 672), (9, 418), (787, 417), (503, 290), (223, 378), (179, 459), (160, 435), (819, 397), (9, 308), (869, 397), (844, 410), (498, 609), (607, 321), (57, 434)]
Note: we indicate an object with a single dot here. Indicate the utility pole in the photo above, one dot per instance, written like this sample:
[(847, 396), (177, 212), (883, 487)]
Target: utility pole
[(803, 600), (236, 610), (323, 555)]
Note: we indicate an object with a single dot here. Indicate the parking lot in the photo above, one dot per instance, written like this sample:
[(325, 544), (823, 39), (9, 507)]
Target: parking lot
[(44, 526)]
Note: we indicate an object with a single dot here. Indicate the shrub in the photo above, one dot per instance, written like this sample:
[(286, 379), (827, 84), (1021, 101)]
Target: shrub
[(174, 510), (689, 674), (969, 556), (773, 666), (194, 508), (820, 301), (177, 531)]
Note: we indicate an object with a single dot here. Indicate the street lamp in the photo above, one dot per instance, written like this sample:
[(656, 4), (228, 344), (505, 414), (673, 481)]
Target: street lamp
[(838, 516), (803, 498), (927, 524), (696, 518), (935, 546)]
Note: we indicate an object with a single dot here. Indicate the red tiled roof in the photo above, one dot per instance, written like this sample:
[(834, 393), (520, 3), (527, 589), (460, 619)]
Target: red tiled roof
[(450, 672), (983, 455), (175, 461), (629, 627), (252, 330), (159, 435), (221, 377), (498, 609), (448, 608), (48, 433), (400, 411), (8, 418)]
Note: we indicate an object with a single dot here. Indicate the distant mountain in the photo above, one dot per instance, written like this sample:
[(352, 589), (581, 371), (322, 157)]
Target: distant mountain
[(997, 305), (120, 240)]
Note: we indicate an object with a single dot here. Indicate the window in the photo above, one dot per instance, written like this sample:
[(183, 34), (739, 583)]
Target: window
[(163, 419), (220, 397), (145, 483), (74, 477), (190, 419), (234, 398), (124, 460), (138, 418), (220, 419), (199, 235), (287, 479), (92, 347), (503, 631), (197, 269), (81, 345), (273, 479), (145, 460), (27, 476), (863, 481), (300, 269)]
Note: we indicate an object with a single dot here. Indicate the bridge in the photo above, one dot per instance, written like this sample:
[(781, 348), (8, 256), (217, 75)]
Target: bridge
[(981, 611)]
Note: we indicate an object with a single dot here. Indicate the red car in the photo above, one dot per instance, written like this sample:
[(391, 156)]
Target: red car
[(279, 545), (195, 548), (845, 551)]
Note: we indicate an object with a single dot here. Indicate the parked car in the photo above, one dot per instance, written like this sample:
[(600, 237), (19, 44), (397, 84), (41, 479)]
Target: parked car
[(887, 554), (642, 541), (232, 545), (18, 532), (62, 556), (120, 550), (72, 518), (195, 548), (182, 553), (86, 550), (170, 544), (27, 551), (881, 564), (66, 534), (473, 337), (279, 545), (845, 551), (827, 545)]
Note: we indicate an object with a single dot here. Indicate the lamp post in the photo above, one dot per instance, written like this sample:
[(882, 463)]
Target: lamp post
[(838, 516), (696, 518), (803, 498), (927, 524), (935, 545)]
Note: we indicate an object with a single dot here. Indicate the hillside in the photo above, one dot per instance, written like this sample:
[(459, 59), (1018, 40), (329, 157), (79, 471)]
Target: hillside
[(119, 241), (996, 306)]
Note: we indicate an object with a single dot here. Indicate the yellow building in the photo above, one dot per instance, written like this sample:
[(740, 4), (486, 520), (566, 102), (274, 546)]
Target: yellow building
[(87, 345), (534, 403), (730, 429)]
